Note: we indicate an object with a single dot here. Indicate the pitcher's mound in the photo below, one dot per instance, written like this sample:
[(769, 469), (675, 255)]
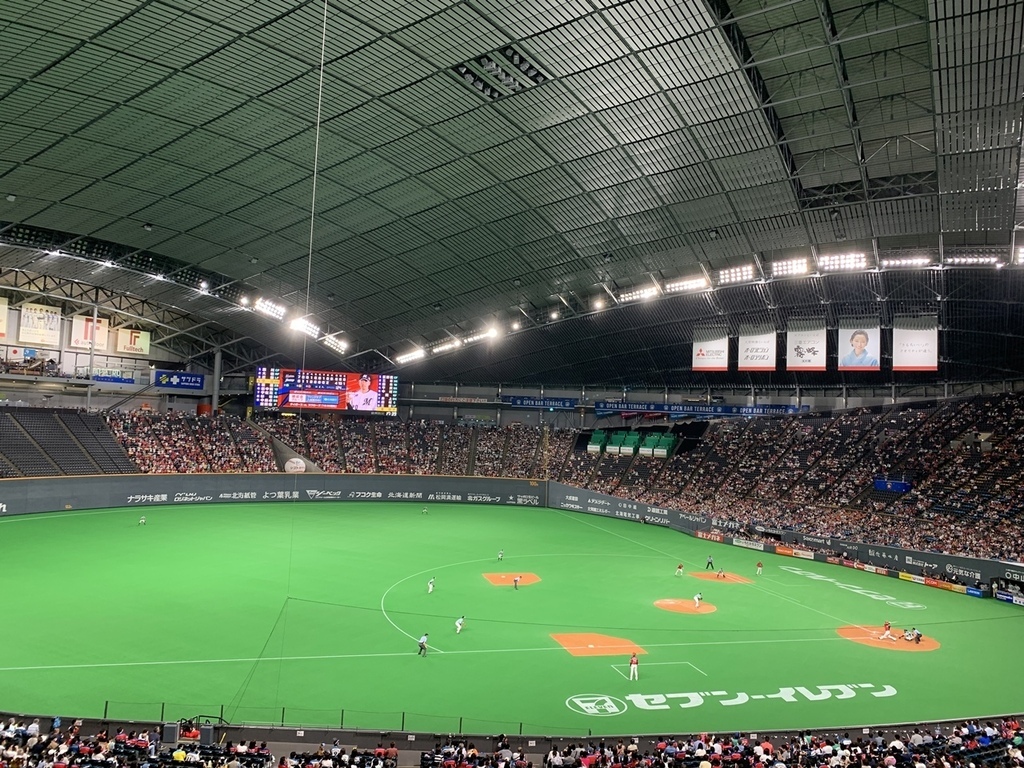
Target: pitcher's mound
[(870, 635), (505, 579), (684, 606), (592, 644), (732, 578)]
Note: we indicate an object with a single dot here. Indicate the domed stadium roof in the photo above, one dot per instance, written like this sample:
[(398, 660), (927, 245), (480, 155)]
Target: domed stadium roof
[(595, 180)]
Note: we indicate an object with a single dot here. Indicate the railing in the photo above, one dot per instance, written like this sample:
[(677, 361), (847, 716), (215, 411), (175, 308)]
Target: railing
[(300, 717), (119, 375)]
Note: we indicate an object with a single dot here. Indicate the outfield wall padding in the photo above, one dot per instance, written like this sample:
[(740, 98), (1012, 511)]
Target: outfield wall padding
[(18, 497), (26, 496)]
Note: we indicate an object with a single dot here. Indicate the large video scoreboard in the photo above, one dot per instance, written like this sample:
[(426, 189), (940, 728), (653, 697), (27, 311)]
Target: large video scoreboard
[(290, 389)]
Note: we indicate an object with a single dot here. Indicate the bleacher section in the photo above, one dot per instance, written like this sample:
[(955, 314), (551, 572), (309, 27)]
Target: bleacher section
[(56, 442), (92, 434), (22, 452)]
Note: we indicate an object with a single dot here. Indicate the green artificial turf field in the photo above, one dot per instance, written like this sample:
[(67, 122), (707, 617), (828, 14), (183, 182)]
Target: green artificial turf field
[(308, 613)]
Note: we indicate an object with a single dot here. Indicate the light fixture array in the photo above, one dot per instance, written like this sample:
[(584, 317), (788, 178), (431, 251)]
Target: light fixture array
[(446, 346), (969, 261), (842, 262), (490, 333), (742, 274), (638, 294), (408, 357), (334, 344), (302, 325), (790, 267), (269, 308), (906, 262), (681, 286)]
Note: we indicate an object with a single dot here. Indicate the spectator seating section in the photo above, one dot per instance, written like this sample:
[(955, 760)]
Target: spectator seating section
[(60, 446), (811, 473), (92, 434), (21, 451)]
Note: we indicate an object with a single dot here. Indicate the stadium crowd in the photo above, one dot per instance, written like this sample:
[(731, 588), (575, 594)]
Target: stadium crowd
[(25, 744), (809, 473), (179, 442), (968, 745)]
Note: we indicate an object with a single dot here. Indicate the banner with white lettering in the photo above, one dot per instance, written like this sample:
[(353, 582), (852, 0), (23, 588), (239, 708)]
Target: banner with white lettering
[(179, 380), (133, 342), (612, 407), (805, 347), (552, 403), (915, 343), (757, 352), (859, 346), (84, 333), (711, 351), (3, 317)]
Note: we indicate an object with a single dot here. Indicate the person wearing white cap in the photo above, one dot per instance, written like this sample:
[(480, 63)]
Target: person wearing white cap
[(365, 399)]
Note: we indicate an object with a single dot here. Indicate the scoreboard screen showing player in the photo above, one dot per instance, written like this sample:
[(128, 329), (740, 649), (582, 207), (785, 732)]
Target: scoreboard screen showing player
[(290, 389)]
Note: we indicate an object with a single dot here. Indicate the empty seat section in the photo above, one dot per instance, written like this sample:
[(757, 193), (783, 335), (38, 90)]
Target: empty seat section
[(92, 432), (48, 431), (22, 452)]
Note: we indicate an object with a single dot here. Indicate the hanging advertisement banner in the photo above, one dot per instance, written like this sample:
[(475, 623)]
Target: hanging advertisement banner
[(859, 346), (805, 347), (757, 352), (711, 351), (84, 333), (915, 343), (40, 325), (133, 342)]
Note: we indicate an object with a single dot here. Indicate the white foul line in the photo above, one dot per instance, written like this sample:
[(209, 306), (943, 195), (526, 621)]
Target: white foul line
[(328, 657)]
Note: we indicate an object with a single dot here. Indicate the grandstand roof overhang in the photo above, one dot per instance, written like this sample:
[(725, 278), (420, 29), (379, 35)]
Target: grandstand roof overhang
[(490, 163)]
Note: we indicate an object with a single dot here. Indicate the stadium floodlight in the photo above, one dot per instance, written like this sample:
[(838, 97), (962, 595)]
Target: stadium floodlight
[(842, 261), (303, 325), (490, 333), (638, 294), (408, 357), (269, 308), (790, 267), (446, 346), (598, 303), (742, 274), (554, 314), (516, 326), (906, 262), (244, 301), (334, 343), (968, 261), (680, 286)]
